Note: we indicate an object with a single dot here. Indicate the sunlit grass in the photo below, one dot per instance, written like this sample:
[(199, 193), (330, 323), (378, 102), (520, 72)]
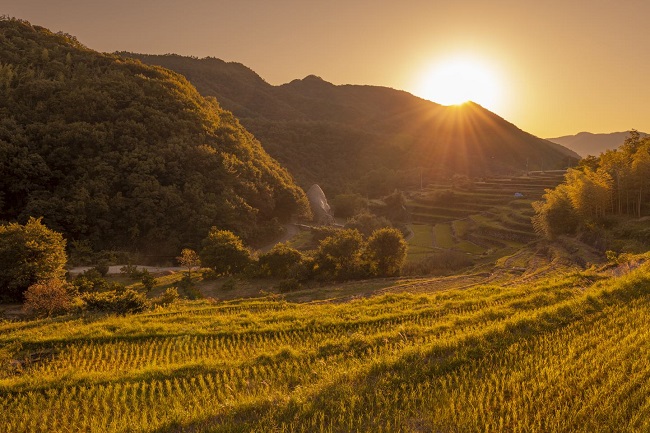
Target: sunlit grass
[(479, 358)]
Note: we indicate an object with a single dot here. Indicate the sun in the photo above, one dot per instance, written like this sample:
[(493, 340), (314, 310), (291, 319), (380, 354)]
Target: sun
[(457, 80)]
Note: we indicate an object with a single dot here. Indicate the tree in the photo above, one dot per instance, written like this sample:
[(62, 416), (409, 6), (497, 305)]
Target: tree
[(347, 205), (367, 223), (616, 163), (396, 206), (280, 261), (386, 252), (641, 174), (339, 256), (590, 193), (28, 254), (189, 259), (554, 214), (224, 252)]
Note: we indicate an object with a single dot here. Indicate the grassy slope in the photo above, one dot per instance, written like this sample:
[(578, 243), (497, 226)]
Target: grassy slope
[(567, 352)]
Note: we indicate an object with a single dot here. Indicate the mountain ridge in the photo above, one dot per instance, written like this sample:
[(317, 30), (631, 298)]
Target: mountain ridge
[(371, 139), (588, 143)]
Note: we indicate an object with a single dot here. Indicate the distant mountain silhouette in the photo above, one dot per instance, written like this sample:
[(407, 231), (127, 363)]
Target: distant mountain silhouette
[(365, 138), (586, 143)]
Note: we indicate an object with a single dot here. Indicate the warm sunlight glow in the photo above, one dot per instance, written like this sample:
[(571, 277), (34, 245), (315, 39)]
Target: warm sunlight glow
[(457, 80)]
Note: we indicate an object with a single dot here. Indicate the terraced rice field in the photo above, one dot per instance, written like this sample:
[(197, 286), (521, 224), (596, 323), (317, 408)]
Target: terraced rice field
[(489, 220), (568, 353)]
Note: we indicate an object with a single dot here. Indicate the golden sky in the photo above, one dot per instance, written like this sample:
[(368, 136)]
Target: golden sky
[(556, 67)]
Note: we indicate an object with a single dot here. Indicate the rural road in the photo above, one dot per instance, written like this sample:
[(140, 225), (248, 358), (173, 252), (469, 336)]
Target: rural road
[(113, 270)]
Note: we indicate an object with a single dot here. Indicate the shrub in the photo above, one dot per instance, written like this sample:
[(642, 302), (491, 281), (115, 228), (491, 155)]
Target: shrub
[(125, 302), (187, 287), (185, 282), (92, 281), (148, 281), (305, 270), (208, 274), (93, 274), (288, 285), (168, 297), (131, 271), (396, 206), (102, 269), (555, 215), (229, 284), (48, 298), (193, 293)]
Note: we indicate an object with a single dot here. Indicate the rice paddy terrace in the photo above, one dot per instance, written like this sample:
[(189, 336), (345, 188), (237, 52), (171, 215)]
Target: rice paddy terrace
[(486, 219), (565, 353)]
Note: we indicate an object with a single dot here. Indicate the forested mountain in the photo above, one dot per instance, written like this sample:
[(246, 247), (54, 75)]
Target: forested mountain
[(586, 143), (116, 153), (367, 138)]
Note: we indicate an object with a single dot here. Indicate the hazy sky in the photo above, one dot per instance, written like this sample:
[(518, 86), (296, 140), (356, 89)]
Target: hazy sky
[(558, 67)]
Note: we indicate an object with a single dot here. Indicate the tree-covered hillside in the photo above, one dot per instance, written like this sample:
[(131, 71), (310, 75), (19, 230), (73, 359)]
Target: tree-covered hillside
[(611, 191), (119, 154), (367, 138)]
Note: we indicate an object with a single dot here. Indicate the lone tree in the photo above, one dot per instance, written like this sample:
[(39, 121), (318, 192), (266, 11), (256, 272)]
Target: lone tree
[(189, 259), (224, 252), (386, 252), (29, 254)]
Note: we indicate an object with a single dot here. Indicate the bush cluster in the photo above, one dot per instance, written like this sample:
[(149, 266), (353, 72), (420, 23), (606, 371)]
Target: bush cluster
[(123, 302)]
